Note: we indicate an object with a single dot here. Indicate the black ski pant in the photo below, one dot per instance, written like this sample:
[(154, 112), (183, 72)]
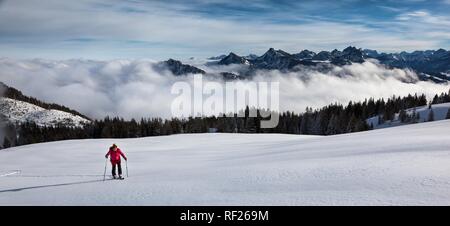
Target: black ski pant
[(119, 167)]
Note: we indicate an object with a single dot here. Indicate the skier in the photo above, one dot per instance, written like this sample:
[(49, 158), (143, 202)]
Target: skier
[(115, 154)]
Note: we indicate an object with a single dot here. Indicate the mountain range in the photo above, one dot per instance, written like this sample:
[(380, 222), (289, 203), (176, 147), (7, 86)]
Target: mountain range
[(429, 65)]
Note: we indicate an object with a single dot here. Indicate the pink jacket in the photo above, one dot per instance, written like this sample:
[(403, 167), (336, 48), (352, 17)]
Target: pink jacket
[(115, 155)]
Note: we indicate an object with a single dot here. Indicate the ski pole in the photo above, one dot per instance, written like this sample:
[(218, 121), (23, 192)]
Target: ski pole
[(104, 173), (126, 166)]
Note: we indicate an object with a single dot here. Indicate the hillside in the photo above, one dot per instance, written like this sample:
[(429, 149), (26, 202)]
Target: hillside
[(12, 93), (405, 165), (17, 109), (18, 112), (423, 112)]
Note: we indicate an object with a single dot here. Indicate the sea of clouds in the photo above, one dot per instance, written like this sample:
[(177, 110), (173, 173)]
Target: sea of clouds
[(134, 88)]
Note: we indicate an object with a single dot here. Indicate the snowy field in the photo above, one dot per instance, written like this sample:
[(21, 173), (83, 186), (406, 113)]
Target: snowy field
[(406, 165)]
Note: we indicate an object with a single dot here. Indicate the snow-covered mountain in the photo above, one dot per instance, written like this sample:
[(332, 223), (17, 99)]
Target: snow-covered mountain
[(220, 57), (347, 56), (276, 59), (281, 60), (17, 108), (430, 65), (18, 112), (178, 68), (405, 165), (305, 55), (232, 58)]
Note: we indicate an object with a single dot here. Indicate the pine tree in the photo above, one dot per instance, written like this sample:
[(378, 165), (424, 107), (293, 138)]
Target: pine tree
[(403, 116), (414, 115), (435, 100), (380, 120), (332, 125), (304, 125), (6, 143), (431, 116), (352, 124)]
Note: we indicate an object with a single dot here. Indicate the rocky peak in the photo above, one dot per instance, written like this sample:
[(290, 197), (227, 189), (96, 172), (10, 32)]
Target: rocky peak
[(305, 55), (233, 58), (178, 68)]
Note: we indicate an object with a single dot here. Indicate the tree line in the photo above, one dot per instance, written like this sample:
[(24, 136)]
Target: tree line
[(329, 120)]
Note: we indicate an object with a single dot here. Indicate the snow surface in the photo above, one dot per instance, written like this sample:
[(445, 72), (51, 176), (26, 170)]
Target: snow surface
[(439, 111), (406, 165), (20, 112)]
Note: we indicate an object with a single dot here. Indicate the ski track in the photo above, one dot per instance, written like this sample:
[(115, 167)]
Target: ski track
[(406, 165), (9, 173)]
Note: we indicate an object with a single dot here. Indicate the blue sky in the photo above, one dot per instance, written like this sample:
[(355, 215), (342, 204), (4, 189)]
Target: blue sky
[(108, 29)]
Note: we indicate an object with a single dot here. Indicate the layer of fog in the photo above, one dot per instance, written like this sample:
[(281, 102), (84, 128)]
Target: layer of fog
[(133, 88)]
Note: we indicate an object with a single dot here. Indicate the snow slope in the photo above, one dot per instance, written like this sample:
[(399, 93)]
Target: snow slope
[(439, 111), (406, 165), (20, 112)]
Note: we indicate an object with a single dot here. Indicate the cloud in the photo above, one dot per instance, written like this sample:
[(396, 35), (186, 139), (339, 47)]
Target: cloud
[(424, 24), (132, 88), (391, 9), (108, 30), (412, 15), (349, 83)]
